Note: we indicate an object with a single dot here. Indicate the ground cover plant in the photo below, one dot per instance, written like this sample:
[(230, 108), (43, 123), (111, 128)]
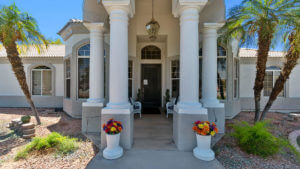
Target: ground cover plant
[(257, 139), (54, 141)]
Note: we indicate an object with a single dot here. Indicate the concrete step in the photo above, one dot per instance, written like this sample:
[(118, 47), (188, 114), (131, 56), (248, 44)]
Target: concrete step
[(29, 136), (27, 126), (153, 159), (28, 131)]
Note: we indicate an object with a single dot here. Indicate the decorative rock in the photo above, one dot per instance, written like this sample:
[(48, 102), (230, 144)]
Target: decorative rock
[(27, 126), (295, 116), (288, 118), (28, 131), (29, 136)]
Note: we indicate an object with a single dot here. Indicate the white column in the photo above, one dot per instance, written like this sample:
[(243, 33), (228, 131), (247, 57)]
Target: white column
[(96, 77), (209, 65), (118, 69), (189, 59)]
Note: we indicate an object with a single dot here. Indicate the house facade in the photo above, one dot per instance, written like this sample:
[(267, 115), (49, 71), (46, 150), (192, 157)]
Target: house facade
[(108, 58)]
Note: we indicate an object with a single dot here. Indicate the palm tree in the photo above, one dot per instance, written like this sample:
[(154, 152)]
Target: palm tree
[(292, 57), (18, 28), (257, 21)]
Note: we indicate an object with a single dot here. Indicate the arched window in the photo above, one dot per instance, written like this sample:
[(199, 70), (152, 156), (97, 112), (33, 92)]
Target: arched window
[(272, 73), (151, 52), (83, 61), (41, 81)]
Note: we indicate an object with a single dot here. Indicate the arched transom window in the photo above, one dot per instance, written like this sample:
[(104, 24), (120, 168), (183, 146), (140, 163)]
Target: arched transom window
[(83, 57), (272, 73), (42, 81), (151, 52)]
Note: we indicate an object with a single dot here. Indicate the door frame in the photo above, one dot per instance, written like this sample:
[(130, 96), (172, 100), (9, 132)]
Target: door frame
[(139, 62)]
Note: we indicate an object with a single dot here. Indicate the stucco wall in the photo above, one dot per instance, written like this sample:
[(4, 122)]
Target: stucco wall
[(294, 83), (12, 96), (291, 99)]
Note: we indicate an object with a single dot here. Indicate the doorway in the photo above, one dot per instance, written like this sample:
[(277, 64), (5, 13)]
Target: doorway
[(151, 88)]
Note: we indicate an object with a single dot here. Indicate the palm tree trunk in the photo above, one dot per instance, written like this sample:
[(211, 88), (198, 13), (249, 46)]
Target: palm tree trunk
[(291, 61), (264, 43), (18, 68)]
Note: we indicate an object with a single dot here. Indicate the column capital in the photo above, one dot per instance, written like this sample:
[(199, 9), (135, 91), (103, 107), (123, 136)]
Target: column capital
[(215, 26), (178, 6), (96, 26), (125, 5)]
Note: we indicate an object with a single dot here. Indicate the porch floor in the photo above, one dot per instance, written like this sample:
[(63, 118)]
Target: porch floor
[(153, 148), (153, 132)]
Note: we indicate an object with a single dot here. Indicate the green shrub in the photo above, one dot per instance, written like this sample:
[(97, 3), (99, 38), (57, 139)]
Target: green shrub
[(61, 144), (25, 119), (256, 139)]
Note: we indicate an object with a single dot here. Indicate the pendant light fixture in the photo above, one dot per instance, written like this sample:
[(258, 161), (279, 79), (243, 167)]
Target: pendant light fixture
[(152, 27)]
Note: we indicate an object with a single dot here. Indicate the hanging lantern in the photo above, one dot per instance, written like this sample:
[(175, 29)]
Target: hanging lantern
[(152, 27)]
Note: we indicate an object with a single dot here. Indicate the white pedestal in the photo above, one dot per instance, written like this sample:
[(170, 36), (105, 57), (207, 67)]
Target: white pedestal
[(203, 150), (113, 150)]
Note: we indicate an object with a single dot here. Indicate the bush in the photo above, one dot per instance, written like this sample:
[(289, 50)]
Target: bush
[(61, 144), (256, 139), (25, 119)]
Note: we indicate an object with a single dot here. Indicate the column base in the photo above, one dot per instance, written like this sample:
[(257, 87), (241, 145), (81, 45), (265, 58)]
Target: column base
[(126, 117), (91, 117), (217, 115), (183, 120), (211, 103)]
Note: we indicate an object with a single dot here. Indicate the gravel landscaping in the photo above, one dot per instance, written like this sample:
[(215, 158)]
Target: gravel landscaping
[(227, 151), (232, 157), (52, 121)]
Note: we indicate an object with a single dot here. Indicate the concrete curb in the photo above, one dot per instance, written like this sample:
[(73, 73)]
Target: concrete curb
[(293, 139)]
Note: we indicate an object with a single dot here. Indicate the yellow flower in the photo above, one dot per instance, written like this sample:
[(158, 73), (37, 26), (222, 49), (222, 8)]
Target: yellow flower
[(200, 126), (212, 133), (113, 129), (115, 124)]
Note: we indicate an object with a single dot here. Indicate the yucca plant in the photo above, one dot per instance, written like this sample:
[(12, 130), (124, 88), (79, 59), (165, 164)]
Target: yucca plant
[(256, 22), (19, 28)]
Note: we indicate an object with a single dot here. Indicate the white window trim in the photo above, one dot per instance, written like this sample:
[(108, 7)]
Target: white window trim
[(53, 77), (41, 70), (77, 80), (65, 78), (274, 81)]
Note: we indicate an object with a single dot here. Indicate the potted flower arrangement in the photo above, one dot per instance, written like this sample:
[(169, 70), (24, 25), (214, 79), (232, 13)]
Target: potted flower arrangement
[(112, 129), (204, 131)]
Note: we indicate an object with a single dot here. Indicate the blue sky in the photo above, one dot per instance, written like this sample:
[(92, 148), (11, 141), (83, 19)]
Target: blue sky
[(52, 15)]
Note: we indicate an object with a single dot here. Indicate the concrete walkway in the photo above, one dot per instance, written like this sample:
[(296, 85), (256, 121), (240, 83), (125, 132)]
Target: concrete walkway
[(153, 159), (153, 148)]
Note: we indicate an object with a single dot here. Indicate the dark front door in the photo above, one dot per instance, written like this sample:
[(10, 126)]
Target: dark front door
[(151, 85)]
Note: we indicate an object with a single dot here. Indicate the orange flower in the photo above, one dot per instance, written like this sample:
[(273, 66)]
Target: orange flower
[(195, 128)]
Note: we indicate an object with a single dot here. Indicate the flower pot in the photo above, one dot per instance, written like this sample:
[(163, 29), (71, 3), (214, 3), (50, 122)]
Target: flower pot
[(203, 150), (113, 150)]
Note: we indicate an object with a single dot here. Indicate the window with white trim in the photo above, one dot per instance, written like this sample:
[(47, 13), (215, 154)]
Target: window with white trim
[(130, 68), (151, 52), (175, 77), (41, 81), (221, 73), (272, 74), (236, 78), (68, 78), (83, 67)]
